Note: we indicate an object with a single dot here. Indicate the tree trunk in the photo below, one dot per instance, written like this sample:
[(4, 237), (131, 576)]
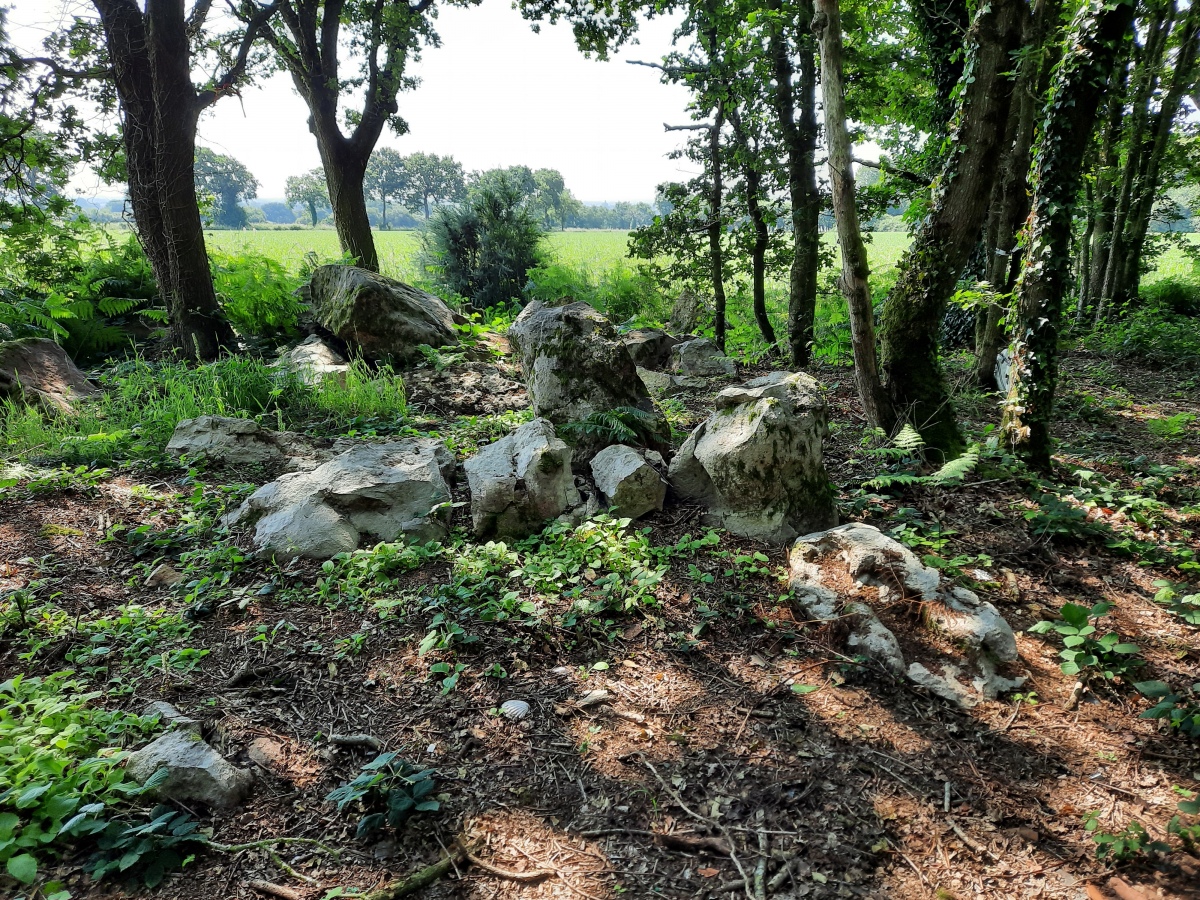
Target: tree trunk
[(1014, 186), (800, 145), (151, 60), (1146, 188), (1146, 71), (1107, 174), (383, 202), (930, 270), (1085, 253), (758, 257), (715, 227), (1070, 114), (827, 26)]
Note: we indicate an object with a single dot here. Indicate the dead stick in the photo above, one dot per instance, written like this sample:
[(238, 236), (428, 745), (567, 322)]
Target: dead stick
[(420, 879), (274, 890), (531, 875)]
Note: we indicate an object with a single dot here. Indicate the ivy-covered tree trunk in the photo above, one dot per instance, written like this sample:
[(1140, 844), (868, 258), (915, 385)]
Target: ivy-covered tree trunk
[(150, 59), (1147, 66), (942, 246), (716, 225), (1012, 207), (795, 108), (855, 280), (1070, 115)]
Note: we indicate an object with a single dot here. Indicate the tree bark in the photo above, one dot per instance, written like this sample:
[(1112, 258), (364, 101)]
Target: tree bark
[(1146, 188), (715, 226), (1107, 176), (930, 270), (1146, 72), (151, 58), (1085, 252), (800, 145), (1013, 185), (758, 257), (827, 26), (1070, 115)]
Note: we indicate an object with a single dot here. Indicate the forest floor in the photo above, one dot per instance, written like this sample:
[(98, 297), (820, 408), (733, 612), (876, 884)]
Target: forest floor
[(733, 739)]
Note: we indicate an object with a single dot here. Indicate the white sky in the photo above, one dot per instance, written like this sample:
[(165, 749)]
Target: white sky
[(495, 94)]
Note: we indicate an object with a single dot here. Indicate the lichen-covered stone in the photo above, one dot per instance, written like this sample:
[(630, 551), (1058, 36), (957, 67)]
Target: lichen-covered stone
[(520, 482), (649, 348), (195, 771), (757, 462), (380, 492), (628, 481), (379, 317), (574, 365), (884, 571), (38, 371), (700, 356), (313, 360)]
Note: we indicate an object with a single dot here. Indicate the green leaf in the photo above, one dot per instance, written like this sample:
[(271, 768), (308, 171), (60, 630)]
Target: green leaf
[(1126, 648), (1074, 614), (805, 688), (1155, 690), (23, 868)]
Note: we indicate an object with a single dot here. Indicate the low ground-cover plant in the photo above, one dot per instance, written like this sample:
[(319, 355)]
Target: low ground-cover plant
[(60, 763), (1180, 710), (390, 791), (1083, 653)]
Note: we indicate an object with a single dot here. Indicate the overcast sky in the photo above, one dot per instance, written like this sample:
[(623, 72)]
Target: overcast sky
[(495, 94)]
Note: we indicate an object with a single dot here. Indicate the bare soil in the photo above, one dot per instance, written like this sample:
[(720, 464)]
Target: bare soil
[(704, 765)]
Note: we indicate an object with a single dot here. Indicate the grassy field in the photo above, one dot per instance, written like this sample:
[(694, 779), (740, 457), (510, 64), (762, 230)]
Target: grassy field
[(398, 250)]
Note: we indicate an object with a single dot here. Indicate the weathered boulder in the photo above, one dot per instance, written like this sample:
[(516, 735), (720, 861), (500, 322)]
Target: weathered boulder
[(313, 360), (382, 492), (884, 572), (700, 357), (664, 384), (382, 318), (195, 771), (628, 481), (520, 482), (685, 312), (234, 443), (757, 461), (649, 347), (171, 717), (574, 365), (37, 371)]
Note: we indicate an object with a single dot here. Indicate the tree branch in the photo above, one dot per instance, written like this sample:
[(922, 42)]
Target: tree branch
[(703, 126), (62, 71), (884, 166), (226, 85), (195, 21)]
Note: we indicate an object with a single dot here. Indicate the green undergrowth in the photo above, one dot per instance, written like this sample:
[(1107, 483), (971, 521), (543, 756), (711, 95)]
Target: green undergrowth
[(61, 769), (143, 402)]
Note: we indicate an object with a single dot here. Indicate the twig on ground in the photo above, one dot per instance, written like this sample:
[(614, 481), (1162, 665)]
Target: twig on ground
[(273, 842), (422, 878), (274, 890), (509, 874), (737, 863), (760, 870), (285, 867), (357, 740), (966, 839)]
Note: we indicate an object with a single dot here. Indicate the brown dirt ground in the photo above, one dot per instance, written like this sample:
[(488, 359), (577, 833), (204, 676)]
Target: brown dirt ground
[(703, 742)]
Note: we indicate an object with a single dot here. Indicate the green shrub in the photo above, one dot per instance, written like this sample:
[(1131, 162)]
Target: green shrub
[(1174, 295), (619, 292), (483, 247)]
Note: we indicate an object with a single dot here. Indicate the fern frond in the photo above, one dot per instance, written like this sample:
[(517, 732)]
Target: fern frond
[(957, 469), (910, 439)]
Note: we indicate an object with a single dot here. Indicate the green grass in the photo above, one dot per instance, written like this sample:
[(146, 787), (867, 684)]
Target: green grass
[(143, 403)]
